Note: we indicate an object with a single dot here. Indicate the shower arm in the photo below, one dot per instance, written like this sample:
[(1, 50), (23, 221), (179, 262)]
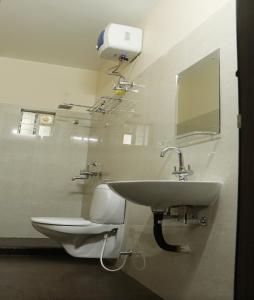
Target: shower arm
[(70, 105)]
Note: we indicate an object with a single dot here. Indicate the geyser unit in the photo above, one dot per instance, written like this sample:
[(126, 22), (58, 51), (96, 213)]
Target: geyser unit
[(120, 42)]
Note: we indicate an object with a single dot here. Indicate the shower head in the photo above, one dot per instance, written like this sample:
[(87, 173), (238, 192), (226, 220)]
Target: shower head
[(65, 106), (69, 106)]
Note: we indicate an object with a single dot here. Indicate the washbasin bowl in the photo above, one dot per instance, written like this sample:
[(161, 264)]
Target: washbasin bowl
[(161, 194)]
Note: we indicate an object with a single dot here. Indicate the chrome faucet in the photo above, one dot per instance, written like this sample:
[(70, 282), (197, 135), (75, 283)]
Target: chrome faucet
[(181, 172), (86, 173), (78, 177)]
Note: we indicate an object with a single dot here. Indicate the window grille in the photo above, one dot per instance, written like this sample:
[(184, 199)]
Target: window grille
[(36, 123)]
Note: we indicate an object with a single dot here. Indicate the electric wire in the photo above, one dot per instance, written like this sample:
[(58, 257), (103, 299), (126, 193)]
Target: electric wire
[(114, 71)]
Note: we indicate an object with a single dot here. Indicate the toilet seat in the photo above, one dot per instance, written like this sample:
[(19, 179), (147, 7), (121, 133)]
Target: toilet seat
[(85, 238), (72, 225), (62, 221)]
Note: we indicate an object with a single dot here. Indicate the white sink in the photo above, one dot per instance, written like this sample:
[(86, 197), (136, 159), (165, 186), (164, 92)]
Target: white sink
[(160, 194)]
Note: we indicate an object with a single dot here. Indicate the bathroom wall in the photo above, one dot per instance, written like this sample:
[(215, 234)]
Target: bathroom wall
[(129, 145), (168, 23), (36, 172), (44, 86)]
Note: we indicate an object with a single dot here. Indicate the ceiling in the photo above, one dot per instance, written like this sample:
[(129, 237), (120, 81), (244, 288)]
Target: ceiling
[(63, 32)]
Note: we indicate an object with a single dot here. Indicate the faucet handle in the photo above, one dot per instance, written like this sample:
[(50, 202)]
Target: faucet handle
[(79, 177), (88, 173), (92, 163)]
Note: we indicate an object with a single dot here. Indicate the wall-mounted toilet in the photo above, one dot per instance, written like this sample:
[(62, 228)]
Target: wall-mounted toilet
[(84, 238)]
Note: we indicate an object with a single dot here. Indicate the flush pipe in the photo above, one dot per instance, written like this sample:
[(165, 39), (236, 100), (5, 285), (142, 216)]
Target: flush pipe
[(126, 254)]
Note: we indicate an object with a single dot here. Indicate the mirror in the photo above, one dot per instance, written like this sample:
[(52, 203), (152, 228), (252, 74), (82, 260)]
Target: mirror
[(198, 98)]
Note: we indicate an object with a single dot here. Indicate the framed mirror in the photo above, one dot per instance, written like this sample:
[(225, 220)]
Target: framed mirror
[(198, 98)]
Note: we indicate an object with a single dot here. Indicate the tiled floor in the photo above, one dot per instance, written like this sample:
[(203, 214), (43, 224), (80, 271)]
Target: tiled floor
[(64, 278)]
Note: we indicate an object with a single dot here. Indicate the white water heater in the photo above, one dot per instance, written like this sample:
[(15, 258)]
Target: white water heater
[(120, 42)]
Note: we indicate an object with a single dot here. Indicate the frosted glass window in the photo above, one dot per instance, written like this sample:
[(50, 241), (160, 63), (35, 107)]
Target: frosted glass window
[(27, 124), (28, 118), (44, 131), (36, 123)]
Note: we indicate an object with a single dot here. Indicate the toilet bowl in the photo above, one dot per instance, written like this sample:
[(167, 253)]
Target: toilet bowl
[(84, 238)]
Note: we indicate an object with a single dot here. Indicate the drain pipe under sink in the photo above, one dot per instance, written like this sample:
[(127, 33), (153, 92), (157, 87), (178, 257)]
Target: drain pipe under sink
[(158, 235)]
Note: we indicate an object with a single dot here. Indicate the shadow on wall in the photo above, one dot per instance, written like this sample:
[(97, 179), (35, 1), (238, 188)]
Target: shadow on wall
[(141, 239)]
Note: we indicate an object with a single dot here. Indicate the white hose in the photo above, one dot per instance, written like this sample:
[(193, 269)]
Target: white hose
[(143, 260), (101, 257)]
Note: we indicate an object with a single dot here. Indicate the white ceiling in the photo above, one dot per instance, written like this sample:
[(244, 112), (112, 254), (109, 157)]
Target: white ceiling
[(63, 32)]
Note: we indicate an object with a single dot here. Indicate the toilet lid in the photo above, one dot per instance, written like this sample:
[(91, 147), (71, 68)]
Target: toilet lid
[(61, 221)]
